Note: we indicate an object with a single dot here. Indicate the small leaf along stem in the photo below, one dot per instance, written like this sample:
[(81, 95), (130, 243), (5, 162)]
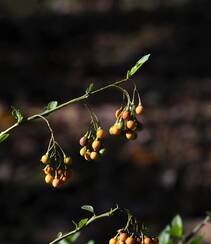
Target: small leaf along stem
[(89, 221)]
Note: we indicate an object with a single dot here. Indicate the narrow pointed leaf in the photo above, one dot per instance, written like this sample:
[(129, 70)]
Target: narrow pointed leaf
[(52, 105), (177, 227), (3, 137), (17, 114), (88, 208)]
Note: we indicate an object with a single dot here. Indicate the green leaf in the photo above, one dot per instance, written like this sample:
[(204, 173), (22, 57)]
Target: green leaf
[(164, 237), (82, 222), (70, 239), (196, 240), (52, 105), (88, 208), (3, 137), (17, 114), (176, 227), (208, 213), (137, 66), (91, 242), (90, 88)]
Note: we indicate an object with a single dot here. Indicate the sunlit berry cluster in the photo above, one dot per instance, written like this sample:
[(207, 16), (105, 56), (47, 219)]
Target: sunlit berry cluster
[(126, 123), (124, 237), (57, 170), (92, 146)]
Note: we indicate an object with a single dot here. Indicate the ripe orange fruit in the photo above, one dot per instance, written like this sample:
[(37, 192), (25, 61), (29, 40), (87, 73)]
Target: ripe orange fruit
[(139, 109), (123, 236), (59, 172), (83, 151), (116, 131), (126, 115), (44, 159), (130, 240), (113, 241), (67, 160), (131, 135), (96, 145), (147, 240), (94, 156), (100, 133), (48, 178), (56, 182), (48, 169), (131, 124), (83, 141), (138, 241)]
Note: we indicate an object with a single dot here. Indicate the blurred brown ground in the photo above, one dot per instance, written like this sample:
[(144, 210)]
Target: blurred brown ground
[(52, 50)]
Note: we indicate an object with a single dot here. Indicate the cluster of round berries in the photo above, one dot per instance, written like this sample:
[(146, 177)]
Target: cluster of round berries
[(124, 237), (91, 142), (126, 122), (57, 171)]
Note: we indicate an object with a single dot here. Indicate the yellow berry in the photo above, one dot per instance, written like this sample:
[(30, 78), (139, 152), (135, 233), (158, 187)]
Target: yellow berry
[(131, 135), (67, 160), (113, 241), (44, 159), (116, 131), (83, 151), (96, 145), (48, 178), (87, 156), (94, 155)]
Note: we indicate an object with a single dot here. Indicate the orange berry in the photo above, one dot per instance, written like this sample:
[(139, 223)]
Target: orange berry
[(131, 135), (67, 160), (100, 133), (64, 179), (83, 151), (126, 115), (138, 241), (44, 159), (96, 145), (139, 109), (123, 236), (59, 172), (48, 169), (83, 141), (94, 156), (131, 124), (116, 131), (48, 178), (130, 240), (113, 241), (56, 182), (147, 240)]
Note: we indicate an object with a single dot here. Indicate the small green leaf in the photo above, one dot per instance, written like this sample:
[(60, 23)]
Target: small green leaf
[(90, 88), (208, 213), (3, 137), (17, 114), (196, 240), (91, 242), (88, 208), (164, 237), (82, 222), (52, 105), (176, 227), (137, 66)]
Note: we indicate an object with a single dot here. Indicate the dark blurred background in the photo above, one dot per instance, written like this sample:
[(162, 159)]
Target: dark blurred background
[(52, 50)]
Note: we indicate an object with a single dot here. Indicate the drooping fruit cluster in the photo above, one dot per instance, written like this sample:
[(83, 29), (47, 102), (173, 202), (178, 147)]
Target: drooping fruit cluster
[(126, 123), (124, 237), (57, 170), (92, 146)]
